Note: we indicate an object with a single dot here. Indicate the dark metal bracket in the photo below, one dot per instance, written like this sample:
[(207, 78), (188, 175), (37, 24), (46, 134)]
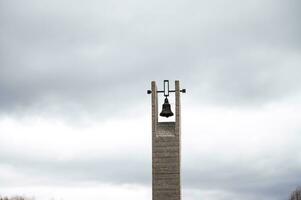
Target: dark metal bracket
[(166, 90)]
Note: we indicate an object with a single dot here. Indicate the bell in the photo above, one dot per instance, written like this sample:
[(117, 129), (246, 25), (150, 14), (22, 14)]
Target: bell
[(166, 111)]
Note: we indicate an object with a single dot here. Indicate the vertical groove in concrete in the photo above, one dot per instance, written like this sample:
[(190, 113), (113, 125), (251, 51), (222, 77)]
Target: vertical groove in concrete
[(166, 151), (178, 127), (154, 125)]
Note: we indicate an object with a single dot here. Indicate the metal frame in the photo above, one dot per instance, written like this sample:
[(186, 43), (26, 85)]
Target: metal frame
[(164, 91)]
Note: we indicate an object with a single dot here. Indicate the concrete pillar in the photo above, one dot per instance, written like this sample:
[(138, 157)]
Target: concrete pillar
[(166, 150)]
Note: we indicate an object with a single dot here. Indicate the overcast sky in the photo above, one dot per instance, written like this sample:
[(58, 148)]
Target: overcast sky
[(74, 113)]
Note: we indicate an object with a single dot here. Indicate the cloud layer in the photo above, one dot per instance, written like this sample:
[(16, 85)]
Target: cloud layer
[(74, 108)]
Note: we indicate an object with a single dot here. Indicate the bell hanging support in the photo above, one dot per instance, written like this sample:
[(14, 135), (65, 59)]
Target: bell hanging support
[(166, 108)]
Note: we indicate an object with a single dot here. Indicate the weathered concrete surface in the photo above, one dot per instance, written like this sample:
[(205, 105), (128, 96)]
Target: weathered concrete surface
[(166, 151)]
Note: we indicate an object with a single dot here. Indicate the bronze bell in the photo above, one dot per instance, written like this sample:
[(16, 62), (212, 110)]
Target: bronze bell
[(166, 111)]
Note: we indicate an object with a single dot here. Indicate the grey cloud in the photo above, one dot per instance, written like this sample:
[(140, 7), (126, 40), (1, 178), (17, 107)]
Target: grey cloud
[(231, 180), (88, 54), (102, 169), (242, 180), (99, 57)]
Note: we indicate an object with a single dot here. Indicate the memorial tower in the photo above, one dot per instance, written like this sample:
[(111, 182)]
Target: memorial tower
[(166, 145)]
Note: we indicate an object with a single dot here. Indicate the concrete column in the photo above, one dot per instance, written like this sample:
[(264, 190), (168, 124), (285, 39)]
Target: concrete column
[(166, 151)]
